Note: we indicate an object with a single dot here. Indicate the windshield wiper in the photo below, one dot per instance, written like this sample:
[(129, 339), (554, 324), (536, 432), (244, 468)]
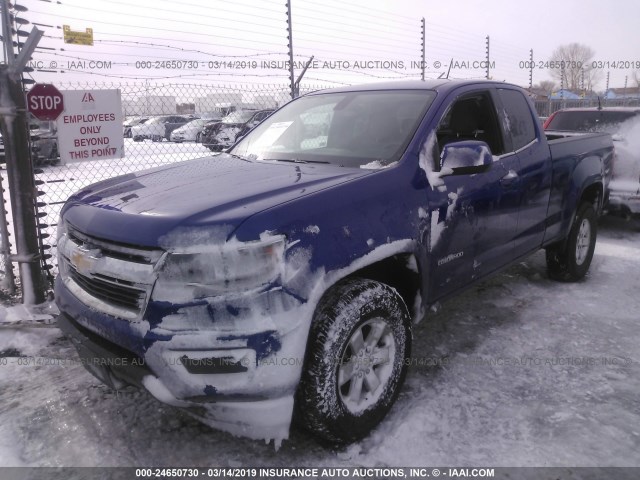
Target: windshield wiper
[(297, 160), (235, 155)]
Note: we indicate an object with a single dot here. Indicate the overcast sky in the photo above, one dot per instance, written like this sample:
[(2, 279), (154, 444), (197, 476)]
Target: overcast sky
[(383, 36)]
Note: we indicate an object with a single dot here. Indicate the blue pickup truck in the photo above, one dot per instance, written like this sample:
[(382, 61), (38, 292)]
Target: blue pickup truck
[(279, 280)]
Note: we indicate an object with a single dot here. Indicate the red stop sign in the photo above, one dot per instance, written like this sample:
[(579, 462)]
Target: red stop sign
[(45, 101)]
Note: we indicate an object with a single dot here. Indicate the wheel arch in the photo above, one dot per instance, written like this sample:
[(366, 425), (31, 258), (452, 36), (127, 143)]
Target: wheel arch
[(592, 194), (400, 271)]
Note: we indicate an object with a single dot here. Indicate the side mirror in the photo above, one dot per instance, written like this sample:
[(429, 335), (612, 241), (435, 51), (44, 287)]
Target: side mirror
[(466, 157)]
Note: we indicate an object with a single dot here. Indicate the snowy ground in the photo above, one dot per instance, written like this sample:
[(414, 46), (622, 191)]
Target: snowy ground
[(528, 372)]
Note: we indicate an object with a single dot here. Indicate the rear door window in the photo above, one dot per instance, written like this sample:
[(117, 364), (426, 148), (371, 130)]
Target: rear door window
[(516, 118)]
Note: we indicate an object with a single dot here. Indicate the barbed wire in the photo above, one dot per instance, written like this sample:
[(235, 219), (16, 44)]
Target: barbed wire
[(174, 20), (157, 29)]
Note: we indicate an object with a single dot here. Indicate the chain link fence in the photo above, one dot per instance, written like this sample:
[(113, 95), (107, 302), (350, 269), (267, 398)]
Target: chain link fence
[(168, 123), (547, 107), (163, 124)]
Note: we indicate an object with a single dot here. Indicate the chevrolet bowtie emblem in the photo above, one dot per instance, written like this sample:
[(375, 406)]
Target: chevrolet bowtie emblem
[(82, 260)]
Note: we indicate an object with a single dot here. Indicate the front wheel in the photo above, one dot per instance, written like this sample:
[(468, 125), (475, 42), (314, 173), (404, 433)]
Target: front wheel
[(359, 342), (569, 261)]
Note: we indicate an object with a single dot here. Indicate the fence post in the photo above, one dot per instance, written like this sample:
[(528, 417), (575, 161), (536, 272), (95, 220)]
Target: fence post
[(9, 281), (17, 151), (424, 46), (530, 69), (487, 43), (21, 188), (290, 46)]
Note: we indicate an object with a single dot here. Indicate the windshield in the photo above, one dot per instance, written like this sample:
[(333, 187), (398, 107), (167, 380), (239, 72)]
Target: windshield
[(589, 120), (348, 129), (239, 116)]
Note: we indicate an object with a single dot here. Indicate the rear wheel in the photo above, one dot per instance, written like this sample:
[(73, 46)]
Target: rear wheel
[(569, 261), (355, 366)]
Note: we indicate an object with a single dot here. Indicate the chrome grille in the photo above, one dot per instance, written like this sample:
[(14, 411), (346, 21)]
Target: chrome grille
[(111, 277), (115, 292), (115, 250)]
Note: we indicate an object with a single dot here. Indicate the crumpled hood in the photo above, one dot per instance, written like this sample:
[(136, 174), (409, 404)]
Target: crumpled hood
[(221, 190)]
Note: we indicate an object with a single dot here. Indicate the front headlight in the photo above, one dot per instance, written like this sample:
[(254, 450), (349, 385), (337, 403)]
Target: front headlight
[(231, 267)]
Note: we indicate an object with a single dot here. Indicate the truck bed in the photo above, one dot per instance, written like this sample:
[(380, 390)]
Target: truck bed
[(573, 154)]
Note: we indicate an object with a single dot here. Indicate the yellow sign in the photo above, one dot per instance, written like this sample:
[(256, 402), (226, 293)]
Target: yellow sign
[(77, 38)]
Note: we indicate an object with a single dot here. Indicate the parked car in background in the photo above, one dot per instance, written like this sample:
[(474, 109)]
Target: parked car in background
[(44, 143), (254, 121), (590, 119), (222, 135), (623, 123), (132, 122), (189, 132), (208, 132), (158, 128), (213, 116)]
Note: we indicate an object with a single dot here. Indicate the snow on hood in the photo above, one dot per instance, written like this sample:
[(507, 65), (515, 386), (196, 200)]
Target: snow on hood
[(208, 191), (377, 165)]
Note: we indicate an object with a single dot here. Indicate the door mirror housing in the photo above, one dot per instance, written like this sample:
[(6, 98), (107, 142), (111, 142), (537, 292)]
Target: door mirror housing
[(466, 157)]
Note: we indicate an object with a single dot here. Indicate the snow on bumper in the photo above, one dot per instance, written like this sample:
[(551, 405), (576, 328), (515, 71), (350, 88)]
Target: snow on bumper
[(238, 374)]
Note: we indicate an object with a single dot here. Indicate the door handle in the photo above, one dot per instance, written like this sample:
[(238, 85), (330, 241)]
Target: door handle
[(509, 179)]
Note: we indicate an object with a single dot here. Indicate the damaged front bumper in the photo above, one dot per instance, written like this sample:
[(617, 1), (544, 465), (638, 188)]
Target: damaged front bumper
[(235, 374)]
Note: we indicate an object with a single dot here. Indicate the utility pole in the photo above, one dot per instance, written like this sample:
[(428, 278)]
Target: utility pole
[(15, 130)]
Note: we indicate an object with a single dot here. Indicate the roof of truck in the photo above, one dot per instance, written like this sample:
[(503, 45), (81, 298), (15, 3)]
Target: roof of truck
[(438, 85)]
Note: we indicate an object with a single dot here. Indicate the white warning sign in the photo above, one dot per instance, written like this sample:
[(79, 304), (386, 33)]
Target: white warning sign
[(90, 127)]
